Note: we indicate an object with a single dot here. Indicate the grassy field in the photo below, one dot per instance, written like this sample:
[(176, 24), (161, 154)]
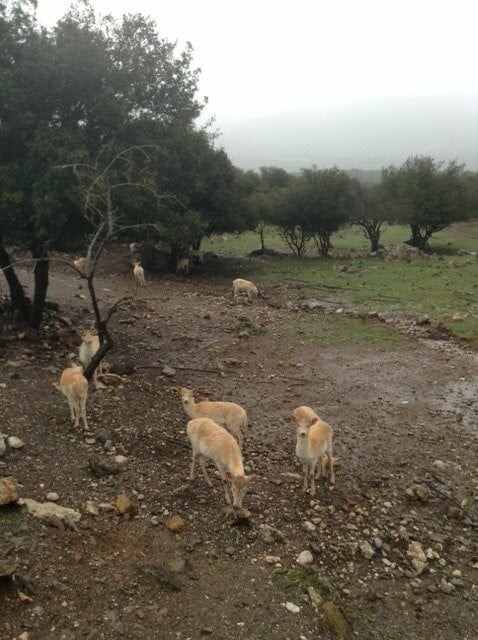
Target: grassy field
[(440, 286)]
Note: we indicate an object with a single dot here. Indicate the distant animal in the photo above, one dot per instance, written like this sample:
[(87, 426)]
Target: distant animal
[(138, 273), (209, 440), (182, 266), (88, 347), (134, 247), (81, 264), (74, 386), (313, 446), (226, 414), (240, 286)]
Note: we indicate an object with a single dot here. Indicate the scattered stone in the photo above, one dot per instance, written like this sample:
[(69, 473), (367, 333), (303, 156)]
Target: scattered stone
[(164, 575), (418, 492), (7, 569), (454, 513), (91, 508), (423, 319), (53, 520), (24, 636), (121, 460), (14, 442), (305, 558), (52, 496), (175, 524), (45, 510), (440, 465), (230, 551), (366, 550), (446, 587), (309, 526), (9, 490), (102, 467), (418, 558), (3, 446), (168, 371), (272, 559), (335, 620), (293, 608), (377, 542), (269, 534), (123, 504)]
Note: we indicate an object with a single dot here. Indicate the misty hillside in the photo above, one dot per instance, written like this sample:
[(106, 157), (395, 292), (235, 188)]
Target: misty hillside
[(361, 136)]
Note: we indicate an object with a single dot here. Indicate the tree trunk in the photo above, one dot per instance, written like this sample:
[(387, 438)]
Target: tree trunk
[(17, 293), (417, 240), (261, 236), (40, 275)]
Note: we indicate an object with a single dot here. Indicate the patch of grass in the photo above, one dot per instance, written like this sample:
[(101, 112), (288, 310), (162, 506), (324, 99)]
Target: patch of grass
[(338, 330), (299, 579), (10, 516), (429, 286)]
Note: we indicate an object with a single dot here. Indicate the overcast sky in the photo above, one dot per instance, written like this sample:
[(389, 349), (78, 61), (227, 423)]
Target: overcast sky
[(321, 62)]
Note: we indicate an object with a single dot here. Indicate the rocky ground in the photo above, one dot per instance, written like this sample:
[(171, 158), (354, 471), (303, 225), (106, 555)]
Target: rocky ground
[(391, 550)]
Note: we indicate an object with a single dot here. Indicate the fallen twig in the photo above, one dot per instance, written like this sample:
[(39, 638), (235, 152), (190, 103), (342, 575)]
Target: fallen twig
[(473, 523)]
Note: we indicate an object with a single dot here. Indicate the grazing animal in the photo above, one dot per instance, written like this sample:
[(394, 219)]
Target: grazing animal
[(314, 446), (74, 386), (209, 440), (182, 266), (81, 264), (227, 414), (138, 273), (240, 286), (89, 346)]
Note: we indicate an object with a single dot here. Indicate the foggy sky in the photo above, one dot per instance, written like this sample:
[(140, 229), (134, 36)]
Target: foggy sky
[(357, 84)]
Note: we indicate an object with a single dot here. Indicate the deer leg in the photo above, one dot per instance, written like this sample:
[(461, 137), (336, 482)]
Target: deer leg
[(202, 464)]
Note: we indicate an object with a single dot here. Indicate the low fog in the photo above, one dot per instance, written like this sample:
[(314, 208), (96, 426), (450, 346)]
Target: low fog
[(364, 136)]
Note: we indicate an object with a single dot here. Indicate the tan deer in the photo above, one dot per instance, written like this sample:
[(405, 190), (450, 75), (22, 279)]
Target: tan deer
[(210, 441), (74, 386), (88, 347), (138, 273), (313, 446), (82, 265), (240, 286), (182, 267), (226, 414)]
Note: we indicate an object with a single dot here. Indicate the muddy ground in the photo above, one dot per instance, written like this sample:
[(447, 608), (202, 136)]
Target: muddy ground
[(403, 415)]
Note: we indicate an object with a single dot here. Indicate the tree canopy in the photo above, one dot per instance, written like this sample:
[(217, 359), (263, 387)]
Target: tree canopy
[(432, 196)]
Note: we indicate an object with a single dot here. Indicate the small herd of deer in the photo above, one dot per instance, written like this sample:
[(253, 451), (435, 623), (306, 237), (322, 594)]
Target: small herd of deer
[(216, 428)]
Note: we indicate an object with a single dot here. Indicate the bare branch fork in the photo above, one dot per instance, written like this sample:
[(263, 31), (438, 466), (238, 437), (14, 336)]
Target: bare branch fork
[(98, 184)]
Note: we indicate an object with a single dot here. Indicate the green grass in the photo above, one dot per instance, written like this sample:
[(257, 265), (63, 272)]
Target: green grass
[(423, 286), (333, 330), (459, 236), (297, 580)]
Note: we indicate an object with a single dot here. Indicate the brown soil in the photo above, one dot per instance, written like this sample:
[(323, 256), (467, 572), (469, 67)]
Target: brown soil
[(394, 413)]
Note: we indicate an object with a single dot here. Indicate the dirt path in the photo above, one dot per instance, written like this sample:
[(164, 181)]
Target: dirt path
[(395, 413)]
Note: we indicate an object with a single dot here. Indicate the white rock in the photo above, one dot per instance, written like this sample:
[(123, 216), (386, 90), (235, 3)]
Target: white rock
[(272, 559), (43, 510), (305, 558), (293, 608), (121, 459), (309, 526), (52, 496), (15, 443), (91, 508)]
